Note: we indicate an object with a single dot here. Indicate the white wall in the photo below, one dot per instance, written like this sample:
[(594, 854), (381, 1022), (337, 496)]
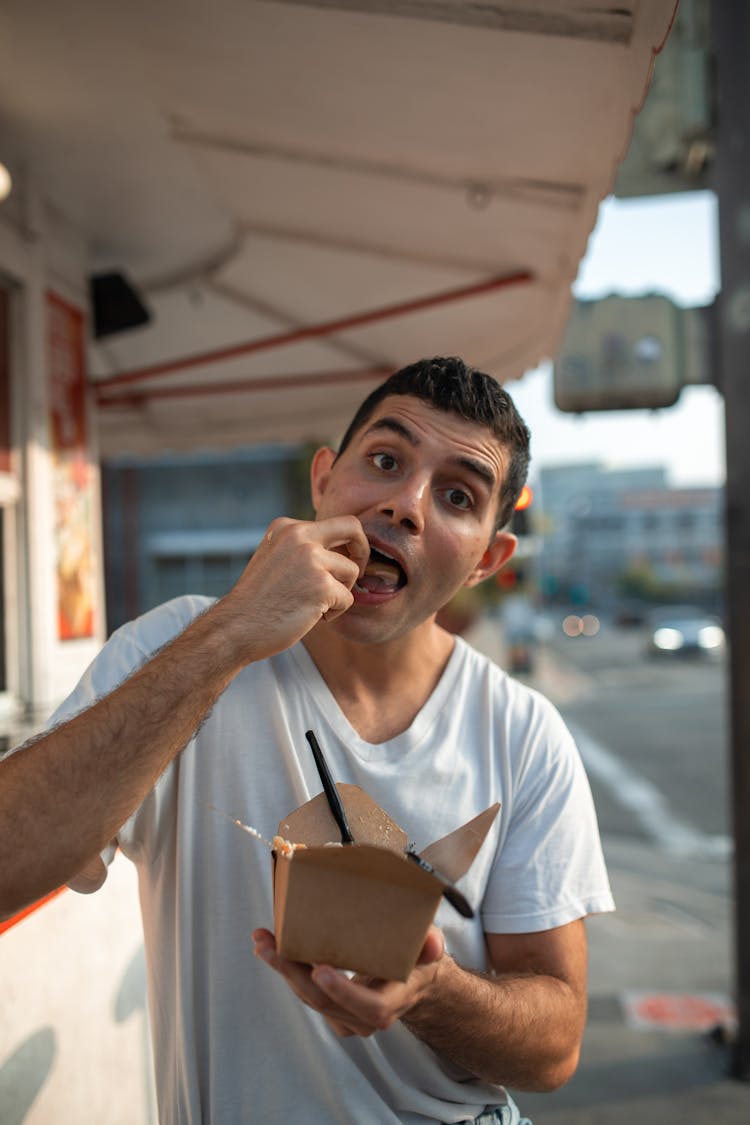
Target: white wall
[(74, 1041)]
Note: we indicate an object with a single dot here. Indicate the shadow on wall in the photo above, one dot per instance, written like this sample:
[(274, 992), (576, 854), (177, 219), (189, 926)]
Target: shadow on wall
[(131, 995), (131, 1000), (23, 1075)]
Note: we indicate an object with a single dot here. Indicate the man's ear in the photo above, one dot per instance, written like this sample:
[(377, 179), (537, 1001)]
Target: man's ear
[(499, 552), (320, 472)]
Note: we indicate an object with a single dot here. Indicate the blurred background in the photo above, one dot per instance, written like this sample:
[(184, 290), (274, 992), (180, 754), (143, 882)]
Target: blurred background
[(219, 228)]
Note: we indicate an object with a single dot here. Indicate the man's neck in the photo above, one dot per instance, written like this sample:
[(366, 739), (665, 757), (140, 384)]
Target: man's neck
[(381, 688)]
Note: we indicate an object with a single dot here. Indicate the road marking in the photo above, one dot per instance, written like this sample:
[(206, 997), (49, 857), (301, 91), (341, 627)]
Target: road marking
[(647, 804), (676, 1011)]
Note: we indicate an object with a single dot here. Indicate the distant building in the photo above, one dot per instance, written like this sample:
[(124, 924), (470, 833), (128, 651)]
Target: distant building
[(612, 535), (176, 525)]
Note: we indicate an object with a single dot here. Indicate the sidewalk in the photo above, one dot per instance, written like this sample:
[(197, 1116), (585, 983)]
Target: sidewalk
[(670, 940)]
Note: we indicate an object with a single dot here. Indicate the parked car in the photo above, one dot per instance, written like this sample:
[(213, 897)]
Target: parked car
[(685, 632)]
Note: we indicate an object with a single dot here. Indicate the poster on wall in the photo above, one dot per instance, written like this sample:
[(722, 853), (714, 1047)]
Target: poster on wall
[(71, 470), (5, 443)]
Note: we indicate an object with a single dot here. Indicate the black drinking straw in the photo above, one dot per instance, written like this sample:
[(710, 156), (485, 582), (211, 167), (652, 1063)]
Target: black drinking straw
[(330, 790), (451, 893), (454, 896)]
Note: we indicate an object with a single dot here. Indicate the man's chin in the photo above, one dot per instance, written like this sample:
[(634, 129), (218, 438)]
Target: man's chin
[(376, 625)]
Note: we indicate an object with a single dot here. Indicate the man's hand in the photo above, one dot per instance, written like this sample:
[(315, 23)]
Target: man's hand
[(301, 573), (362, 1005), (520, 1026)]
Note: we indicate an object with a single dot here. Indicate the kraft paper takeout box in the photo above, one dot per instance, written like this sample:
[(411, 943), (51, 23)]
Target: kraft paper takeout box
[(363, 906)]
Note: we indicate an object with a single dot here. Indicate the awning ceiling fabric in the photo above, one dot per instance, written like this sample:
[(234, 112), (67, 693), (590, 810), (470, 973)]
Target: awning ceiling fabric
[(307, 194)]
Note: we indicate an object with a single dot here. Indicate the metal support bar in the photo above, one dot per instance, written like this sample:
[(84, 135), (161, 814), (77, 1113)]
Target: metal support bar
[(297, 381), (314, 331)]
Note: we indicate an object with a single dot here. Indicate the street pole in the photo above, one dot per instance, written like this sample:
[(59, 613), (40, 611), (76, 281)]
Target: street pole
[(731, 35)]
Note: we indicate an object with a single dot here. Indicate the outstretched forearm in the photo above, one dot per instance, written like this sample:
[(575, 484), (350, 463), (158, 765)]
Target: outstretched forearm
[(518, 1031), (65, 795)]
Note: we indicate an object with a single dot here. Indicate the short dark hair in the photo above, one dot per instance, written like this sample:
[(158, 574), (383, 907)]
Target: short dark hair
[(450, 385)]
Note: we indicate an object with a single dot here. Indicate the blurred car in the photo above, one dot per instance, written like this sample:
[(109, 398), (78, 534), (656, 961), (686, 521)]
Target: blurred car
[(685, 632), (630, 615)]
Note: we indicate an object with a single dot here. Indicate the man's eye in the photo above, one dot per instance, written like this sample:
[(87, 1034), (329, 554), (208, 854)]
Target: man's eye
[(457, 498), (384, 461)]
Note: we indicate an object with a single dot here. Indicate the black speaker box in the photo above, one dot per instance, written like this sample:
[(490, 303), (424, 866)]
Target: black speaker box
[(115, 304)]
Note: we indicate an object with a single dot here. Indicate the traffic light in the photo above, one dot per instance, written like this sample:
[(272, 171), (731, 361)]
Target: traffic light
[(510, 577), (520, 524), (513, 576)]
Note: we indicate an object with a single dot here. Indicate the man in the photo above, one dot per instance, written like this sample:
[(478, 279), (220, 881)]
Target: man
[(199, 704)]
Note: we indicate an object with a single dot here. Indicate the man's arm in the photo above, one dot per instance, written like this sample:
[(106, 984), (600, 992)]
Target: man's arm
[(520, 1027), (65, 795)]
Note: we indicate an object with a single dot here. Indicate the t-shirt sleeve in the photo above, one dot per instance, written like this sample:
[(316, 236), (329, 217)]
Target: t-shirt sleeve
[(126, 650), (549, 867), (123, 654)]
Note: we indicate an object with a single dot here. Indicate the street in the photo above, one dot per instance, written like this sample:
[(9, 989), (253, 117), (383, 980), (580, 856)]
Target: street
[(654, 735)]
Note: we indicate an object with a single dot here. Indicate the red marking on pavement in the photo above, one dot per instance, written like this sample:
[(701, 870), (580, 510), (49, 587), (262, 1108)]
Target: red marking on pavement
[(675, 1011)]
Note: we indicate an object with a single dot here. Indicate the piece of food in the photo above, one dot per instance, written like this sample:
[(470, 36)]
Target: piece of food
[(382, 573), (285, 847)]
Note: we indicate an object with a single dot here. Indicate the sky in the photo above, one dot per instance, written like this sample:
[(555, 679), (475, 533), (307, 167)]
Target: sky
[(661, 244)]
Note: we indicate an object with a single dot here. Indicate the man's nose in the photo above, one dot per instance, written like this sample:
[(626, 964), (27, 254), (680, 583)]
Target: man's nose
[(406, 503)]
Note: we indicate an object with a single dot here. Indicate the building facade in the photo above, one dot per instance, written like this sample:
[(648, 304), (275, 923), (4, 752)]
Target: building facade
[(175, 525), (611, 536)]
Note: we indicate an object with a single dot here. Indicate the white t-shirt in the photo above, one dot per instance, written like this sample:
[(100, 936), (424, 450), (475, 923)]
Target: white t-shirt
[(232, 1044)]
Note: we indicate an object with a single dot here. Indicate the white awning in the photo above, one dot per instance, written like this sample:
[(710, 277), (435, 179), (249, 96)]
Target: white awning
[(310, 193)]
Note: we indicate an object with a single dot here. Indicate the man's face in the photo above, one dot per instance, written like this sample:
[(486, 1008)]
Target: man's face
[(425, 486)]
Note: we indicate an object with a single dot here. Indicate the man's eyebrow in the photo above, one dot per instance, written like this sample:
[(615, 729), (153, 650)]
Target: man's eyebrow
[(477, 468), (395, 427)]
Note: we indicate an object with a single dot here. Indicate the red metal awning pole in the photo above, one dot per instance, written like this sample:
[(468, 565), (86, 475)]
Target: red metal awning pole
[(241, 386), (326, 328)]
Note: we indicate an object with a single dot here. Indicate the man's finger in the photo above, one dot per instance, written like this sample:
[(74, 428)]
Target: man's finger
[(433, 948), (299, 979), (343, 568), (374, 1007), (344, 534)]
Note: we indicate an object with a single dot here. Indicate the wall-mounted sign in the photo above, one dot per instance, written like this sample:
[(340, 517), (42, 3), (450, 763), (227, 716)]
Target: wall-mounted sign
[(5, 441), (72, 473)]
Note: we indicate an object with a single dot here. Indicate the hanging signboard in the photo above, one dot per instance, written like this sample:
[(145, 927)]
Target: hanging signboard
[(620, 353)]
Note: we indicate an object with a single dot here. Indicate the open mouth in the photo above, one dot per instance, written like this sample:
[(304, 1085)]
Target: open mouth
[(383, 575)]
